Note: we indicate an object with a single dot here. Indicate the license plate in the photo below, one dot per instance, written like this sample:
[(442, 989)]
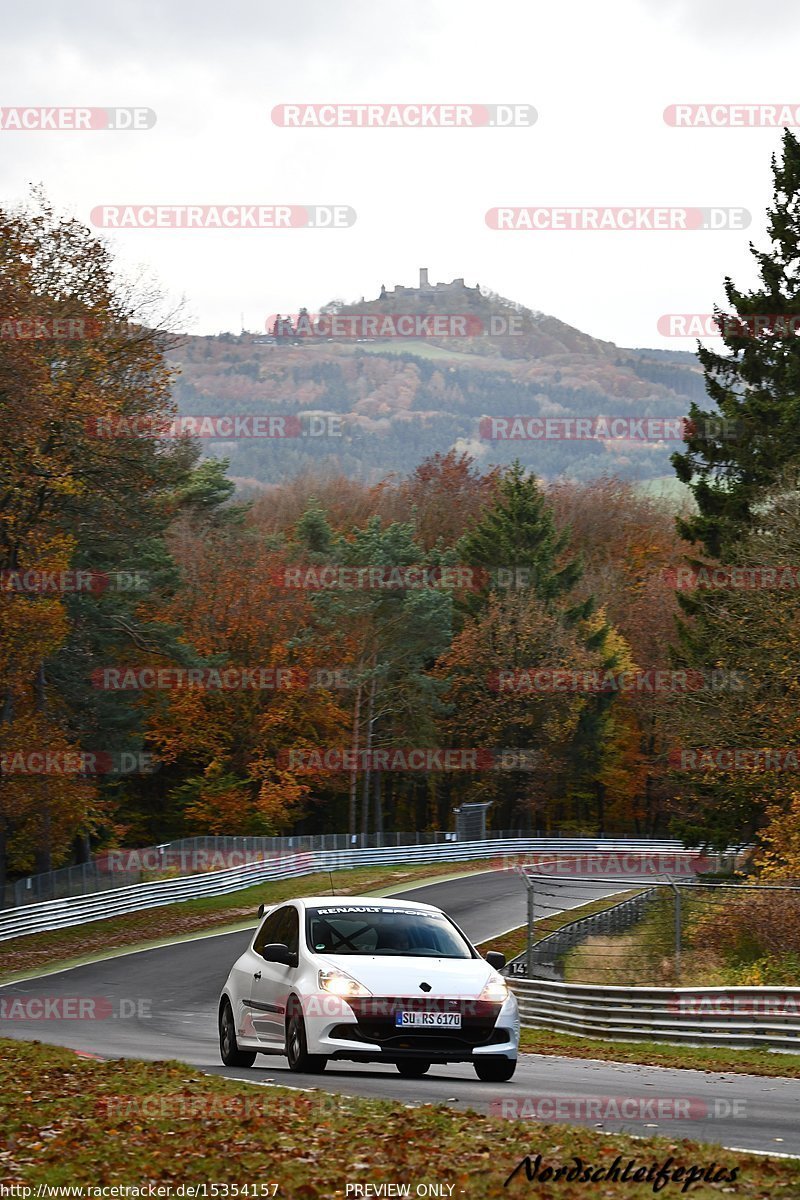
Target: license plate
[(427, 1020)]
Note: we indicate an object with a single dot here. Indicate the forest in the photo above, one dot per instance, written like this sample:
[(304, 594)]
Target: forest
[(336, 651)]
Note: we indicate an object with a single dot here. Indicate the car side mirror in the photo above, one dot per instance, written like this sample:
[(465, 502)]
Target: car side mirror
[(278, 952), (495, 959)]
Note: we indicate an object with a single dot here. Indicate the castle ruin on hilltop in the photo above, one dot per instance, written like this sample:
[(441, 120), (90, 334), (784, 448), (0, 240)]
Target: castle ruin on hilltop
[(457, 287)]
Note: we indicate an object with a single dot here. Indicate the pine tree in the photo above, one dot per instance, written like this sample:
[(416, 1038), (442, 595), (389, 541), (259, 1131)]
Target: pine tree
[(734, 453), (517, 545)]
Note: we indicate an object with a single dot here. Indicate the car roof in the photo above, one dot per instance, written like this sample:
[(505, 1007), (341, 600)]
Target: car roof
[(372, 901)]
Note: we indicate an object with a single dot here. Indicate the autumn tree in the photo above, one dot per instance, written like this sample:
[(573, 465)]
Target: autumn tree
[(445, 496), (392, 635), (221, 746), (515, 632), (81, 360), (630, 551)]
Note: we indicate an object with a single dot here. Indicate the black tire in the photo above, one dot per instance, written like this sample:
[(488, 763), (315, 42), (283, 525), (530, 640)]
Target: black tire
[(297, 1046), (412, 1068), (495, 1068), (229, 1050)]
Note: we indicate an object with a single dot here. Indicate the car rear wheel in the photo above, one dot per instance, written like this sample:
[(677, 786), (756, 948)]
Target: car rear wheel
[(495, 1068), (229, 1050), (412, 1068), (297, 1046)]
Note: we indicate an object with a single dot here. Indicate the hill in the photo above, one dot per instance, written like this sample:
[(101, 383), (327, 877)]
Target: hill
[(380, 384)]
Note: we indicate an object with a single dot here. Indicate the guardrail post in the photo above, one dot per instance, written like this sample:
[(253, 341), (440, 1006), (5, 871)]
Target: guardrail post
[(531, 925), (677, 893), (677, 935)]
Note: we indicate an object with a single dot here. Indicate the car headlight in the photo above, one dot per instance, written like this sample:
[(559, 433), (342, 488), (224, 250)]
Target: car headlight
[(341, 984), (496, 989)]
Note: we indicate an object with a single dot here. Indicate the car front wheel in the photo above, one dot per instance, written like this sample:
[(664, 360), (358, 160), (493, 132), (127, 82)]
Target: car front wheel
[(297, 1046), (496, 1068), (412, 1068), (229, 1050)]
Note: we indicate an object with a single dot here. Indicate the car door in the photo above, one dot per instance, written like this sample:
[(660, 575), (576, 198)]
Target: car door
[(272, 981)]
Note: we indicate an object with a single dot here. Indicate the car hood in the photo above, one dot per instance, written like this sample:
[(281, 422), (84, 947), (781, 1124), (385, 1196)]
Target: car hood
[(387, 975)]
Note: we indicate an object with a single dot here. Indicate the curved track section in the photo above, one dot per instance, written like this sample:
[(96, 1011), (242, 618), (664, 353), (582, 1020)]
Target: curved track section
[(161, 1003)]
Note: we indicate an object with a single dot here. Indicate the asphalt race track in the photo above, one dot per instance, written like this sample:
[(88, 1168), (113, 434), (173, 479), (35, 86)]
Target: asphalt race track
[(164, 1004)]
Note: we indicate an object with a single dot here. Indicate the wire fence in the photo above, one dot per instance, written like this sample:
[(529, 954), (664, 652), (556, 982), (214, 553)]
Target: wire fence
[(547, 953), (670, 933)]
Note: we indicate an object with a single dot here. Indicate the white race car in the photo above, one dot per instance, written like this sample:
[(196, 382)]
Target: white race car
[(352, 977)]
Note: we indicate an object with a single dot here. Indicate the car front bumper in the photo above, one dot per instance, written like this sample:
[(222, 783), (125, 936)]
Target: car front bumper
[(365, 1031)]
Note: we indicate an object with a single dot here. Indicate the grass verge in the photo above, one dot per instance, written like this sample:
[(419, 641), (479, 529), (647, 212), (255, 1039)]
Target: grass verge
[(664, 1054), (514, 942), (73, 1121), (64, 947)]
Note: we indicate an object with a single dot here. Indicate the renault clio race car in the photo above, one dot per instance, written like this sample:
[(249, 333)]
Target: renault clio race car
[(350, 977)]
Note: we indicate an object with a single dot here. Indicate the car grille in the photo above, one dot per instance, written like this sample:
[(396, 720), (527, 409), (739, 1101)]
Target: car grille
[(376, 1024)]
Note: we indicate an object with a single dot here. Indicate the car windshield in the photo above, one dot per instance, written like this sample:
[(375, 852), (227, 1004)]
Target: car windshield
[(361, 929)]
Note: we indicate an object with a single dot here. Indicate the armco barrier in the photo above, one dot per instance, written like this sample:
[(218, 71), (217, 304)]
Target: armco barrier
[(742, 1016), (122, 867), (142, 863), (79, 910)]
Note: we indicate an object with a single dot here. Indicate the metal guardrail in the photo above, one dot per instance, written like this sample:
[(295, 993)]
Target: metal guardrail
[(80, 910), (614, 919), (121, 867), (749, 1017)]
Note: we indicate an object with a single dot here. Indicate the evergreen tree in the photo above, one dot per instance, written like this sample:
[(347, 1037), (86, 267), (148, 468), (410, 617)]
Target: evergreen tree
[(516, 545), (733, 453)]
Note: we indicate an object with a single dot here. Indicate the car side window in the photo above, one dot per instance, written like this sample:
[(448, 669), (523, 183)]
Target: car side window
[(283, 926), (268, 931)]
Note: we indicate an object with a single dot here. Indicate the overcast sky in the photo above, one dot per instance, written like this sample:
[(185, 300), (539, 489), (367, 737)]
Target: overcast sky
[(599, 77)]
